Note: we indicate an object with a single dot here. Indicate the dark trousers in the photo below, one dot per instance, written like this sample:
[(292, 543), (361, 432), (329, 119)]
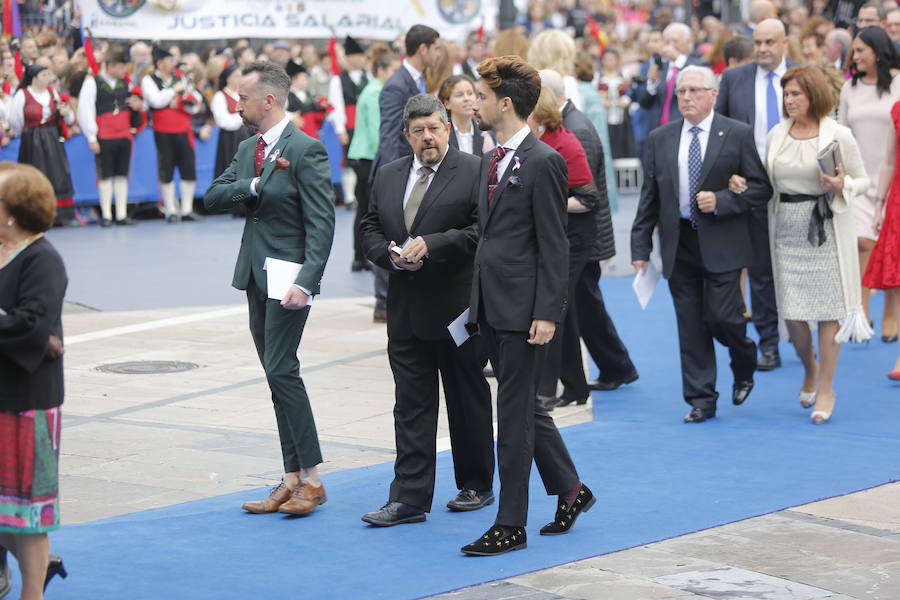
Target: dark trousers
[(597, 329), (762, 285), (416, 364), (707, 305), (175, 150), (562, 356), (276, 333), (361, 191), (525, 430)]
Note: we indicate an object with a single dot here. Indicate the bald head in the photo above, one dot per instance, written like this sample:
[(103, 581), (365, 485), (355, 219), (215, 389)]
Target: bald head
[(769, 44), (553, 81)]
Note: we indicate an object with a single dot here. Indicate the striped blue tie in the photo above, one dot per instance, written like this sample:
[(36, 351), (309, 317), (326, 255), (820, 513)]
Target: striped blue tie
[(773, 115), (421, 84)]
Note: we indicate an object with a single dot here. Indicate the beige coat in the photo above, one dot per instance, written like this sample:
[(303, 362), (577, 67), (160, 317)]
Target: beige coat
[(854, 327)]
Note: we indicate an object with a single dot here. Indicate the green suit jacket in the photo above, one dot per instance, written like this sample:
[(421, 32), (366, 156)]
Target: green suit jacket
[(293, 216)]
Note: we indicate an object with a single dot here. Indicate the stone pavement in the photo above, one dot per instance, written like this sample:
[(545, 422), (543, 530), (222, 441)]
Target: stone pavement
[(134, 442)]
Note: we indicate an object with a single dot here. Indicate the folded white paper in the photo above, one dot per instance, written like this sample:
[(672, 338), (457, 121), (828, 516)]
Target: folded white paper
[(458, 330), (644, 284), (280, 276)]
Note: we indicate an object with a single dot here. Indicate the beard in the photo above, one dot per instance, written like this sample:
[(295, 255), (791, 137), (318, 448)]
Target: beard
[(248, 123), (431, 160)]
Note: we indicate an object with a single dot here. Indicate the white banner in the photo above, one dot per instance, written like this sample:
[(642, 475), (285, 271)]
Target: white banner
[(275, 19)]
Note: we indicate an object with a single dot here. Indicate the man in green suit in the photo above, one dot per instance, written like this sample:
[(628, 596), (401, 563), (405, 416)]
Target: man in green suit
[(282, 176)]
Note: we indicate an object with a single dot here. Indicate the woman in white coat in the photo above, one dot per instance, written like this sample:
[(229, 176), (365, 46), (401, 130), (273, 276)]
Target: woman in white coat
[(812, 232)]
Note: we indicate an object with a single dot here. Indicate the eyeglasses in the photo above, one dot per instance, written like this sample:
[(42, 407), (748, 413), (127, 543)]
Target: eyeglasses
[(691, 90), (418, 132)]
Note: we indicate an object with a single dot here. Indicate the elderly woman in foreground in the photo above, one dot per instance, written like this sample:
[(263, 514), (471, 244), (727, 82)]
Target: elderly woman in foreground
[(32, 286)]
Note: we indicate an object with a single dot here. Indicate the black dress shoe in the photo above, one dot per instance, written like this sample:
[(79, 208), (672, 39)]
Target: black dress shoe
[(55, 567), (768, 361), (471, 500), (359, 265), (497, 541), (171, 219), (105, 223), (191, 216), (608, 385), (567, 401), (740, 391), (548, 402), (698, 415), (126, 221), (889, 339), (566, 515), (394, 513)]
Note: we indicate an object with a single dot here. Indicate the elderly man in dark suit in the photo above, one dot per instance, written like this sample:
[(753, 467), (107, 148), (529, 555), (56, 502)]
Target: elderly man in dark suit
[(657, 95), (704, 231), (430, 198), (281, 175), (518, 300), (594, 324), (751, 94), (423, 47)]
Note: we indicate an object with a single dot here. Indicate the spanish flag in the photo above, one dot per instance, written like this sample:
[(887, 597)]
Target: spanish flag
[(598, 34)]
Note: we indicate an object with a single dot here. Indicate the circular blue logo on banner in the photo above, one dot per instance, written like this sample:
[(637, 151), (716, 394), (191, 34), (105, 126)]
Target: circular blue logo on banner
[(459, 11), (120, 8)]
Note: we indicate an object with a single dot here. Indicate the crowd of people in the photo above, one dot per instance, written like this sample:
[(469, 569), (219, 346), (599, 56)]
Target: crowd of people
[(484, 189)]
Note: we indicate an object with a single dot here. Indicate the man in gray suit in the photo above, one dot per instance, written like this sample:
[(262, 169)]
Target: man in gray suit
[(751, 93)]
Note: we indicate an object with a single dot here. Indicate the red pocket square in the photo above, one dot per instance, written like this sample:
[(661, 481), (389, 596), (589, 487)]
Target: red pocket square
[(282, 164)]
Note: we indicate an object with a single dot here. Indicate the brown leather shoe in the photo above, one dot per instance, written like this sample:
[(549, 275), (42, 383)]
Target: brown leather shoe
[(278, 496), (304, 499)]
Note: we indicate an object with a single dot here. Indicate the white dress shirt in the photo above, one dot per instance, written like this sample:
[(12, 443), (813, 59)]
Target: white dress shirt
[(338, 116), (511, 145), (87, 105), (414, 73), (17, 108), (684, 179), (761, 123), (465, 140)]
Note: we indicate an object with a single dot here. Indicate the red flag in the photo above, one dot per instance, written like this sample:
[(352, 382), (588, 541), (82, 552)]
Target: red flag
[(89, 55), (7, 18), (19, 69), (598, 34), (332, 54), (479, 33)]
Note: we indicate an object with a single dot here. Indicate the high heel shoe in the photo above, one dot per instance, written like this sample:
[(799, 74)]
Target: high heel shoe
[(55, 567), (894, 375), (807, 399), (820, 417)]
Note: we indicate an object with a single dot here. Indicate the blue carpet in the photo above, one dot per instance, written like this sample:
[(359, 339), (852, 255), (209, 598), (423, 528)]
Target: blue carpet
[(655, 478)]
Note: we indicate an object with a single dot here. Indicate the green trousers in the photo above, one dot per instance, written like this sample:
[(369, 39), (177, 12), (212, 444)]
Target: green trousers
[(276, 333)]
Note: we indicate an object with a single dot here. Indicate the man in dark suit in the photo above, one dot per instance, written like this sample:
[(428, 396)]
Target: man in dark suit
[(430, 280), (704, 232), (751, 94), (282, 177), (518, 298), (657, 95), (423, 47)]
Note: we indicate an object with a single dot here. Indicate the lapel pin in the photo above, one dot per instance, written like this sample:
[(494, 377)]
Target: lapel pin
[(721, 133)]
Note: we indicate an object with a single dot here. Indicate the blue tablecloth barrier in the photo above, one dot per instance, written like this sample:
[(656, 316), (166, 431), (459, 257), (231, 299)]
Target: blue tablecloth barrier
[(143, 183)]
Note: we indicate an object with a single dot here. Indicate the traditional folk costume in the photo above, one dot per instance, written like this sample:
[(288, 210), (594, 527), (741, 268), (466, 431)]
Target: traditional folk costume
[(173, 135), (106, 118), (232, 130)]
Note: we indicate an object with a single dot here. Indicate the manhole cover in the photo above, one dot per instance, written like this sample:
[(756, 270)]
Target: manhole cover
[(146, 367)]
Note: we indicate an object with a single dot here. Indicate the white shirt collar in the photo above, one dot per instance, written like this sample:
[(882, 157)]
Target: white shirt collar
[(412, 71), (416, 165), (274, 132), (779, 70), (705, 125), (680, 61), (512, 144)]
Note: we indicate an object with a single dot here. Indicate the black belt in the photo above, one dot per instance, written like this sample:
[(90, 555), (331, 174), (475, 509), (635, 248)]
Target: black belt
[(820, 212)]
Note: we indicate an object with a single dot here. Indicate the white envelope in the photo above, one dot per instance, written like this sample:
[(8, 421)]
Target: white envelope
[(644, 284), (458, 330), (280, 276)]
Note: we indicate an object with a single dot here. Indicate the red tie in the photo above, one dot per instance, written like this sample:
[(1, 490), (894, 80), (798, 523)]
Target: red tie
[(496, 157), (260, 154)]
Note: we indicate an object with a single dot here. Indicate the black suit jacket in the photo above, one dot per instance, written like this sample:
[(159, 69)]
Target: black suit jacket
[(653, 103), (521, 266), (724, 236), (737, 93), (392, 145), (477, 140), (422, 303), (577, 122)]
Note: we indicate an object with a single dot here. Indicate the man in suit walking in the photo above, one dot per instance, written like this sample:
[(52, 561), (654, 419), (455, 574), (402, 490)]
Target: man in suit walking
[(282, 176), (594, 323), (704, 232), (423, 47), (751, 94), (431, 199), (657, 95), (518, 298)]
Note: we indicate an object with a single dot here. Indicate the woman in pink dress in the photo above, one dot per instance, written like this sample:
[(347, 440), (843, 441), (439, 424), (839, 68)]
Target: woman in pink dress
[(883, 270)]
